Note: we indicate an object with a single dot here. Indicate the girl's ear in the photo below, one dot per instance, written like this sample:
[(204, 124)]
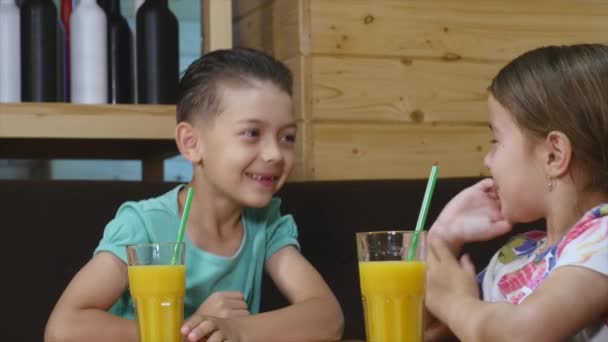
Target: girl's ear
[(188, 142), (558, 154)]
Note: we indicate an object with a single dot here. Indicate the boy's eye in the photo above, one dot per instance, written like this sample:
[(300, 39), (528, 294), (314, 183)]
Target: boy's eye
[(252, 133), (290, 138)]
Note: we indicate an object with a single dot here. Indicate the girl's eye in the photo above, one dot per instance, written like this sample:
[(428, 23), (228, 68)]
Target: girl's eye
[(493, 141)]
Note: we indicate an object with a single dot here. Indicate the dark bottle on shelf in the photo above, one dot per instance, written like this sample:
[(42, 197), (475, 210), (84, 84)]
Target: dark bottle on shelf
[(120, 60), (64, 18), (38, 51), (157, 53)]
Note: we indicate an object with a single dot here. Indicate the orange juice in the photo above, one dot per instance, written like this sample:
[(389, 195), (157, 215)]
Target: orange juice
[(158, 294), (393, 300)]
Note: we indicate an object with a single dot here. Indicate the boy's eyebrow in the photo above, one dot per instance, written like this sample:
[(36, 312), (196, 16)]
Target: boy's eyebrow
[(260, 122)]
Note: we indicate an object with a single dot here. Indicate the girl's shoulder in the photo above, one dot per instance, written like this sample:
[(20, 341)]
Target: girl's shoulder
[(586, 243), (520, 245)]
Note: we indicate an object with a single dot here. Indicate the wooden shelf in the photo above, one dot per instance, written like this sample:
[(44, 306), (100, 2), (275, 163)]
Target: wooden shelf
[(64, 120), (72, 131)]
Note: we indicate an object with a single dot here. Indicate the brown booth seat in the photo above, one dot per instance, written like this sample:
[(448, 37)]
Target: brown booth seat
[(51, 229)]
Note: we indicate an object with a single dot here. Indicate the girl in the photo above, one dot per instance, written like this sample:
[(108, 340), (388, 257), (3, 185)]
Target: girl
[(235, 124), (549, 118)]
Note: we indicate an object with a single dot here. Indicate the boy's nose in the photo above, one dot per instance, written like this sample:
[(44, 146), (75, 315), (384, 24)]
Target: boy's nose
[(271, 152)]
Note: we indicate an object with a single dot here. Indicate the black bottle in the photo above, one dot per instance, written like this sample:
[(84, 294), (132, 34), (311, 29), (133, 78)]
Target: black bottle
[(38, 51), (157, 53), (120, 60)]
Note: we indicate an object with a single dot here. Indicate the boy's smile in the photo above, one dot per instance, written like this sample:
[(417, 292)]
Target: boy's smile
[(266, 180)]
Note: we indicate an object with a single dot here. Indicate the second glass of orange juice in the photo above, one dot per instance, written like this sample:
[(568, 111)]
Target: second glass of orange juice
[(392, 287), (157, 281)]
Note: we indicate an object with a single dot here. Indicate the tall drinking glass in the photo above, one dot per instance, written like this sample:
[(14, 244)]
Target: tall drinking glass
[(392, 287), (157, 284)]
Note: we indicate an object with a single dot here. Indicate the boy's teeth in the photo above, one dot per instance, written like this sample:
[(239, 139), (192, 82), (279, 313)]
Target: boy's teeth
[(260, 177)]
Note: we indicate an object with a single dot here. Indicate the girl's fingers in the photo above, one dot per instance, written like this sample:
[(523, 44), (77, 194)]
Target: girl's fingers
[(442, 252), (467, 264), (432, 257), (485, 184)]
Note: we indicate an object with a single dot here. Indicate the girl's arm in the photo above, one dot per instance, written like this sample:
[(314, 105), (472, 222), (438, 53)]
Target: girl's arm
[(472, 215), (314, 313), (569, 299), (435, 330), (80, 314)]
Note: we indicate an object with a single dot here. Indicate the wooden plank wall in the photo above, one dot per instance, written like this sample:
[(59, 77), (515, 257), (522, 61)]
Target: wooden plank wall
[(385, 88)]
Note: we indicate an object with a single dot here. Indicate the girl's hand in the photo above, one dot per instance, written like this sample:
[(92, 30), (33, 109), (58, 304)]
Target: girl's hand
[(211, 329), (447, 280), (472, 215)]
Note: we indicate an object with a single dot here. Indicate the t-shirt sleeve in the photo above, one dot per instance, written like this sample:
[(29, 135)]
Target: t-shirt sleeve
[(589, 249), (127, 228), (281, 230)]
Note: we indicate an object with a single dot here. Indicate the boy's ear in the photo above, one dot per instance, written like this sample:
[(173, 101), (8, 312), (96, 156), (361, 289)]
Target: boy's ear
[(188, 142), (558, 154)]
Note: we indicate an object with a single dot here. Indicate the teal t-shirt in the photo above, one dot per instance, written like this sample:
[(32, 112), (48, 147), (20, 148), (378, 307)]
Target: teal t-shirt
[(157, 220)]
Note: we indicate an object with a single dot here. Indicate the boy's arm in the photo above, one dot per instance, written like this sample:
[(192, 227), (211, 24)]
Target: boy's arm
[(314, 315), (80, 314), (570, 298)]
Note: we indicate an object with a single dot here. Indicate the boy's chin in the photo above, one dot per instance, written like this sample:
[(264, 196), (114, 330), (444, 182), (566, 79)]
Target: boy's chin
[(257, 201)]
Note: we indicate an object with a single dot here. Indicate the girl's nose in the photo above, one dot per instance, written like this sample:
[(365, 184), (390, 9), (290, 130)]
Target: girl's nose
[(487, 159)]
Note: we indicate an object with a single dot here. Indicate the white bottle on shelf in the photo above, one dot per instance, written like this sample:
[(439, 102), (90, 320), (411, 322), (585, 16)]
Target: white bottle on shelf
[(10, 52), (88, 54)]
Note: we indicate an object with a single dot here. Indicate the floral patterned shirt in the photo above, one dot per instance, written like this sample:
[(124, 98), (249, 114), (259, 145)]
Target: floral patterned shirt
[(520, 266)]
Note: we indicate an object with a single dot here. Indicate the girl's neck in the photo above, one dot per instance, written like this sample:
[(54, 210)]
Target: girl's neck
[(566, 207)]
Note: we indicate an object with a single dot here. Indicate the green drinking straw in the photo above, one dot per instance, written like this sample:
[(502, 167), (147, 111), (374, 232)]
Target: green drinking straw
[(424, 210), (182, 225)]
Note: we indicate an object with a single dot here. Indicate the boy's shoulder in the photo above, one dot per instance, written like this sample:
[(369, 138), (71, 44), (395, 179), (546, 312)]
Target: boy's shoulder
[(164, 203)]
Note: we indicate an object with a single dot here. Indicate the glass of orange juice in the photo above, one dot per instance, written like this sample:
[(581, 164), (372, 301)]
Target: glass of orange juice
[(392, 287), (157, 281)]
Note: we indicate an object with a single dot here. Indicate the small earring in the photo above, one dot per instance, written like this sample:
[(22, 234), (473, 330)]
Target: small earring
[(550, 183)]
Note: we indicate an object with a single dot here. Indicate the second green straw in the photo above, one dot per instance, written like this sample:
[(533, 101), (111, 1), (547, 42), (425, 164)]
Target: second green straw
[(424, 210)]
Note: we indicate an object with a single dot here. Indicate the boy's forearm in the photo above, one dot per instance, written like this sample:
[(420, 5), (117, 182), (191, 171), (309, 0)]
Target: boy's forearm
[(318, 319), (90, 325)]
